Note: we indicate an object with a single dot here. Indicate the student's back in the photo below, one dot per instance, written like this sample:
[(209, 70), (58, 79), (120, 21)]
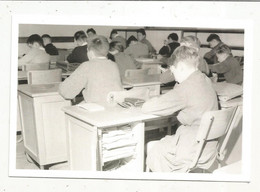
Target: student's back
[(35, 56), (124, 62), (137, 50)]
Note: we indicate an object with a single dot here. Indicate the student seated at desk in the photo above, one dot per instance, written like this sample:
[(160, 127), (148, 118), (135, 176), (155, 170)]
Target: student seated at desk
[(190, 41), (123, 60), (36, 54), (136, 49), (97, 77), (170, 45), (190, 99), (49, 47), (79, 53), (114, 36), (141, 36), (214, 42), (91, 32), (229, 66)]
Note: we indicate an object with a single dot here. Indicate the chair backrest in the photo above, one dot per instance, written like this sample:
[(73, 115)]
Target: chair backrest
[(214, 125), (36, 66), (119, 96), (44, 76), (132, 73)]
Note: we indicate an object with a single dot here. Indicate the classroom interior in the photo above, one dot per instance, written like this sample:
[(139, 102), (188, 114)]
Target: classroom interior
[(56, 134)]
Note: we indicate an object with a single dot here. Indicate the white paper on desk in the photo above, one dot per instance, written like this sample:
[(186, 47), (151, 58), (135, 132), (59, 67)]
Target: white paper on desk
[(91, 107), (227, 91)]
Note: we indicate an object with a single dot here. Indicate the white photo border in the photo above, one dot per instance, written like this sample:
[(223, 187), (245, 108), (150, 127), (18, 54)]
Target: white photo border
[(100, 20)]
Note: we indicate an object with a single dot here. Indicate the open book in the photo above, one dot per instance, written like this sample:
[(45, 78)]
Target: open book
[(91, 107)]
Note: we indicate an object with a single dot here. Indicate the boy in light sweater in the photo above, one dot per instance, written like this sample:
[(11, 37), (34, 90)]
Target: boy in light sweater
[(96, 77), (189, 100)]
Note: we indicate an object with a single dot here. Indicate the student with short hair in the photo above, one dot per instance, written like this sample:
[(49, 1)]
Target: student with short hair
[(141, 36), (136, 49), (79, 53), (36, 54), (189, 99), (49, 47), (228, 66), (123, 60), (170, 45), (91, 32), (190, 41), (96, 77), (214, 42), (114, 36)]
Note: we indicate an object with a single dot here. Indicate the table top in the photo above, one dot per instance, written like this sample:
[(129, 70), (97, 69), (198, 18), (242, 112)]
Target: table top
[(112, 115), (39, 90), (143, 80)]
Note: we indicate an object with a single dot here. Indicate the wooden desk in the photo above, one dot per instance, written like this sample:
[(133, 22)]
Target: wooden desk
[(43, 123), (153, 64), (151, 82), (85, 136)]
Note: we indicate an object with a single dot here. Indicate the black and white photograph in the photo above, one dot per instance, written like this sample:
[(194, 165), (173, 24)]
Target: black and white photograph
[(109, 95)]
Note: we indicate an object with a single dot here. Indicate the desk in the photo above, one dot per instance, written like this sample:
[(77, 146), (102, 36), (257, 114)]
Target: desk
[(85, 133), (151, 82), (153, 64), (43, 123)]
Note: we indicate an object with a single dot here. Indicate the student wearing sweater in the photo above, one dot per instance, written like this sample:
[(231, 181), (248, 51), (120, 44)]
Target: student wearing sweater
[(228, 66), (136, 49), (141, 36), (189, 99), (190, 41), (96, 77), (36, 54), (114, 36), (123, 60), (214, 42), (79, 53), (49, 47), (170, 45)]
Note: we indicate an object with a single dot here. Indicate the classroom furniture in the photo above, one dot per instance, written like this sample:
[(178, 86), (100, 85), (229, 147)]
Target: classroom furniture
[(87, 132), (66, 66), (152, 64), (214, 125), (22, 75), (44, 76), (152, 82), (116, 97), (43, 123), (53, 60), (36, 66), (135, 73)]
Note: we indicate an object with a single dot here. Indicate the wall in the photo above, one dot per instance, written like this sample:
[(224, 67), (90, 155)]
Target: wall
[(148, 12)]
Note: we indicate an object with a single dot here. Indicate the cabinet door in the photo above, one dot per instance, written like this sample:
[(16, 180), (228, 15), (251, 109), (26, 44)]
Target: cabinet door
[(51, 131), (28, 125), (82, 145)]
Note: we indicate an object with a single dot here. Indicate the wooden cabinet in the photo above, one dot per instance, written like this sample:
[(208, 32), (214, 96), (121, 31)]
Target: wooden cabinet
[(43, 123)]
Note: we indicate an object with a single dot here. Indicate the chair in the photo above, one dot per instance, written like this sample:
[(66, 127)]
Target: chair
[(36, 66), (214, 125), (133, 73), (44, 76)]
